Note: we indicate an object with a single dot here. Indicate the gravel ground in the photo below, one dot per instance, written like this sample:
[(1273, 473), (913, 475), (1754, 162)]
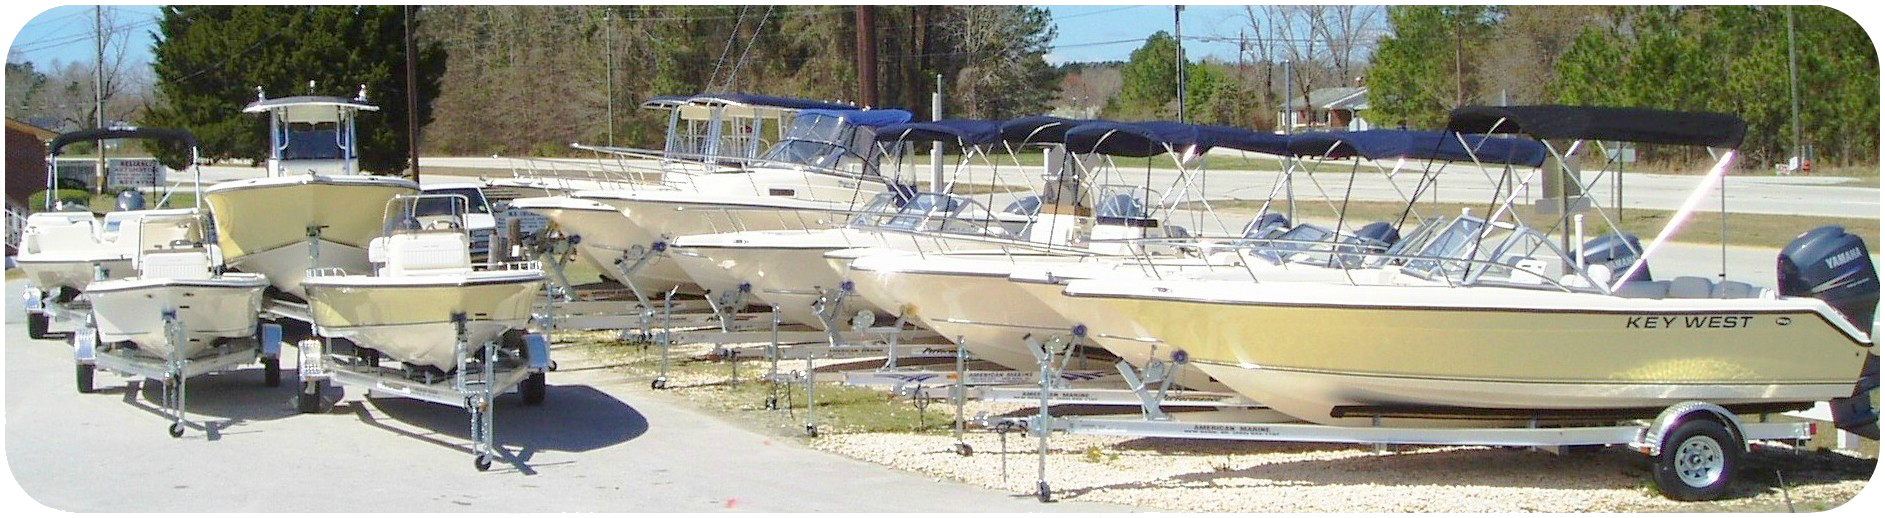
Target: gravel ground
[(1233, 476)]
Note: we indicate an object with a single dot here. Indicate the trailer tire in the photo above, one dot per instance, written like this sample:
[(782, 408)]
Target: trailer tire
[(37, 324), (309, 401), (271, 372), (482, 462), (176, 430), (1697, 461), (84, 377), (533, 389)]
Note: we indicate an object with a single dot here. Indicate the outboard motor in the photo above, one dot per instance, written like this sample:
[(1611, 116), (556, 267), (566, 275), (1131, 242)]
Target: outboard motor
[(131, 200), (1829, 264), (1379, 235), (1618, 252), (1270, 224)]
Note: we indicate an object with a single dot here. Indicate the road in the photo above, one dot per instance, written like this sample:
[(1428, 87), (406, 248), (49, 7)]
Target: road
[(1464, 183), (600, 444)]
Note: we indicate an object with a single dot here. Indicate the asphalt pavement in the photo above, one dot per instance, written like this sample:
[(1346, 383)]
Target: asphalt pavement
[(600, 443)]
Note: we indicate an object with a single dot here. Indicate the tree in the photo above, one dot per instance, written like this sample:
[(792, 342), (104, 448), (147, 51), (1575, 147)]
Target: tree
[(1148, 82), (1006, 73), (1423, 70), (210, 59)]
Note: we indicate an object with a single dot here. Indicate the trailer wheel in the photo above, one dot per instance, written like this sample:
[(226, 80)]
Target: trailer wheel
[(308, 399), (1043, 493), (482, 462), (86, 372), (176, 430), (1698, 461), (533, 389), (37, 324), (271, 372), (963, 449)]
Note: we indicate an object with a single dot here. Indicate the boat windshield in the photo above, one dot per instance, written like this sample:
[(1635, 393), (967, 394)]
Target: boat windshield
[(927, 212), (319, 141), (430, 211), (1477, 252), (816, 140)]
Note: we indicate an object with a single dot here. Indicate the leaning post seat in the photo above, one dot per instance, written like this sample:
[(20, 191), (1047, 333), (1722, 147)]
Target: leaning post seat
[(428, 253)]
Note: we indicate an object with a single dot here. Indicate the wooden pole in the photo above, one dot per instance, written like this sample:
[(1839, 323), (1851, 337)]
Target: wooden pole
[(867, 55), (412, 100)]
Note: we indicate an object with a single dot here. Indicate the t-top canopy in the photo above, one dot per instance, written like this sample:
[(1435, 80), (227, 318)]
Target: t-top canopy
[(955, 131), (1642, 125), (770, 101), (666, 101), (1424, 145), (1135, 139), (94, 135), (1038, 129), (309, 108), (872, 118)]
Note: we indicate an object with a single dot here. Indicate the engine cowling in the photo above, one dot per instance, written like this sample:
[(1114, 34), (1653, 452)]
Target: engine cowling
[(1829, 264), (1617, 252)]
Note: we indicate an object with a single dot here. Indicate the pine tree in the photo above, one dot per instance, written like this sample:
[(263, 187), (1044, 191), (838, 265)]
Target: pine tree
[(210, 59)]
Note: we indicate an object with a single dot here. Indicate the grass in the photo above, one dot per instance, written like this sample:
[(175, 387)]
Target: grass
[(1761, 230), (840, 409)]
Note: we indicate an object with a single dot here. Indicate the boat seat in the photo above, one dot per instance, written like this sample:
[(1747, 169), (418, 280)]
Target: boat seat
[(51, 234), (1736, 290), (1691, 288), (1643, 290), (428, 253), (178, 264)]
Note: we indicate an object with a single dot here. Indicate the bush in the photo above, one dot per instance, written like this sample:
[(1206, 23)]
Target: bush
[(37, 202)]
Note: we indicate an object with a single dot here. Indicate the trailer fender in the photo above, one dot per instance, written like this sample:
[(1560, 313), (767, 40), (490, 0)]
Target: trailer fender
[(537, 351), (85, 345), (1650, 440), (270, 340), (35, 299)]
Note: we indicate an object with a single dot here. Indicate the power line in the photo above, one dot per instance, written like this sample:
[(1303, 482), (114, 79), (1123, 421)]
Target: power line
[(1104, 11), (60, 41)]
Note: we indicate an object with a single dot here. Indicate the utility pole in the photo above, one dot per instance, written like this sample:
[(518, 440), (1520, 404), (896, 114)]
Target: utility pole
[(1178, 30), (1793, 86), (867, 55), (936, 148), (1243, 75), (608, 21), (412, 99), (98, 91)]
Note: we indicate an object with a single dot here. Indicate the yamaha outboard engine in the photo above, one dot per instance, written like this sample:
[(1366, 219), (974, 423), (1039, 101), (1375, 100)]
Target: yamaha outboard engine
[(1829, 264), (1379, 235), (131, 200), (1618, 252), (1270, 224)]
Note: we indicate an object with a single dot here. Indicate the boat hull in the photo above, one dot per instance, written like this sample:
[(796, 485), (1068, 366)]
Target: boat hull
[(662, 218), (409, 319), (968, 301), (262, 224), (1307, 348), (596, 226), (48, 272), (131, 310)]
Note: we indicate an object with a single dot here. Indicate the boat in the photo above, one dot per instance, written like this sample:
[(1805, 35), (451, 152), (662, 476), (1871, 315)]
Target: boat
[(422, 286), (825, 166), (1492, 319), (63, 251), (788, 269), (950, 293), (312, 209), (175, 278), (1271, 248), (708, 134)]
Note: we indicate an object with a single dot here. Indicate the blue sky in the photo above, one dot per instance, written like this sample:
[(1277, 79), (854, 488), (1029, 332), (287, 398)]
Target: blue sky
[(1087, 32)]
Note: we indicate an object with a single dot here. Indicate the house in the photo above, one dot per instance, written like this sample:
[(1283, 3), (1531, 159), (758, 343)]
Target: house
[(1329, 109), (26, 160)]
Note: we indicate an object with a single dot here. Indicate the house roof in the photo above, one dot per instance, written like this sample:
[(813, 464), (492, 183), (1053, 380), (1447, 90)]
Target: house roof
[(1333, 98), (36, 131)]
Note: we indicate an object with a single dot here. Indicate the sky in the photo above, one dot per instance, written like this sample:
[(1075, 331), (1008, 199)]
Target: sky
[(1087, 32)]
